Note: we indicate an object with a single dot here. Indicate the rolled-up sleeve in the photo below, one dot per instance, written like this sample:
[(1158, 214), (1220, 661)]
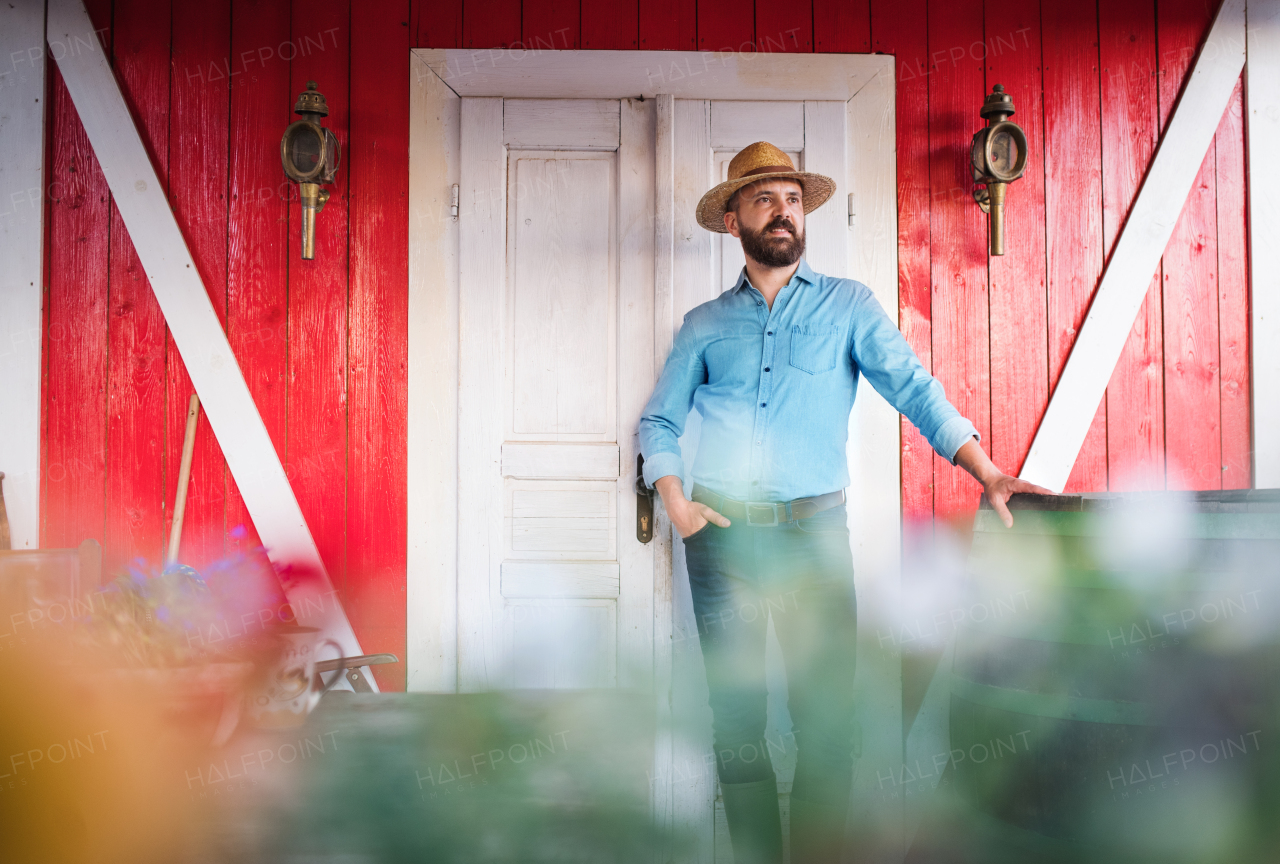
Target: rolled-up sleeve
[(887, 361), (664, 417)]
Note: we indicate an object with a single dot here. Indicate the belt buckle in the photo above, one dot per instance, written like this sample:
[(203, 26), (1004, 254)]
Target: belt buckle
[(755, 508)]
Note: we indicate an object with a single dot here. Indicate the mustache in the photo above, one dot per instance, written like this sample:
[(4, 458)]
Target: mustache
[(780, 222)]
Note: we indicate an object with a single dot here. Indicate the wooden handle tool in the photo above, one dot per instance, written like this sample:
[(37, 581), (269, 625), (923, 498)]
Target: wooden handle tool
[(184, 477)]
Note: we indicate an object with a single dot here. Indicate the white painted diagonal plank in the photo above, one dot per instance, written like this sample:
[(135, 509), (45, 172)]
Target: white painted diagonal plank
[(180, 291), (21, 242), (1142, 242)]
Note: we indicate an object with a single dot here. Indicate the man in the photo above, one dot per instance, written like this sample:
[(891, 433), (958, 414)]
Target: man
[(772, 365)]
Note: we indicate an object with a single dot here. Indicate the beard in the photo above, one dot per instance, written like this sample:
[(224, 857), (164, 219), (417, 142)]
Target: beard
[(772, 251)]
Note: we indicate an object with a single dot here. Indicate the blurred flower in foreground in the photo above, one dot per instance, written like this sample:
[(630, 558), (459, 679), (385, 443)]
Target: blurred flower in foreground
[(110, 691)]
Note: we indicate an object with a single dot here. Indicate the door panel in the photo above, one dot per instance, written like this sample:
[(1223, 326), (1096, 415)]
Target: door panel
[(734, 125), (561, 256), (562, 645), (560, 307), (565, 520), (580, 124), (560, 461), (560, 579)]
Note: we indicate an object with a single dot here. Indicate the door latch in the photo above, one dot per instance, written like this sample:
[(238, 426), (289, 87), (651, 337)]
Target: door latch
[(644, 504)]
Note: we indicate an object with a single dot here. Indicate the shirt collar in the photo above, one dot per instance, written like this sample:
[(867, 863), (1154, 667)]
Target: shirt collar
[(802, 272)]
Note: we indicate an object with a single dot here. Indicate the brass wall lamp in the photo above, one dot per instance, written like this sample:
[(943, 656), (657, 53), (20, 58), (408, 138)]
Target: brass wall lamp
[(999, 156), (310, 154)]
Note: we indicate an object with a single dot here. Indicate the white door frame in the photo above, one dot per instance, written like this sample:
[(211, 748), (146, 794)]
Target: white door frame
[(438, 78)]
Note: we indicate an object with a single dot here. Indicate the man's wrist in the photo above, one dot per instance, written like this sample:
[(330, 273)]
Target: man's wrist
[(974, 459), (671, 489)]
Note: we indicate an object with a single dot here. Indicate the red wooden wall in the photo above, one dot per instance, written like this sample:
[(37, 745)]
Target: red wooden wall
[(322, 343)]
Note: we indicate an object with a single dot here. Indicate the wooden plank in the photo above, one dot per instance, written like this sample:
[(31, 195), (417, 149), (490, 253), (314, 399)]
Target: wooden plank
[(481, 307), (691, 261), (553, 23), (636, 374), (784, 27), (198, 181), (177, 286), (668, 25), (259, 209), (874, 430), (724, 25), (73, 479), (1146, 233), (875, 479), (22, 125), (535, 73), (1263, 130), (844, 26), (1134, 404), (664, 228), (491, 24), (662, 801), (901, 30), (432, 443), (1017, 280), (548, 579), (1072, 151), (610, 25), (691, 782), (136, 327), (826, 229), (560, 461), (317, 401), (737, 123), (564, 499), (575, 124), (564, 538), (958, 230), (1193, 450), (377, 375), (436, 23), (1233, 295)]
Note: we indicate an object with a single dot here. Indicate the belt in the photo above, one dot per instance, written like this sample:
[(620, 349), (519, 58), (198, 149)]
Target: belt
[(767, 513)]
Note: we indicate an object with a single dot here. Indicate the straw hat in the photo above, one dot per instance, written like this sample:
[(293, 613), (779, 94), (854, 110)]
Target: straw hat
[(761, 161)]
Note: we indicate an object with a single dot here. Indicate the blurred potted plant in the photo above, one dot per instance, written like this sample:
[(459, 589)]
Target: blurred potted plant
[(198, 640)]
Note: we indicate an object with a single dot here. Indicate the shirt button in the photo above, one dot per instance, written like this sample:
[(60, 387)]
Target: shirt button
[(766, 368), (770, 333), (759, 302), (764, 404)]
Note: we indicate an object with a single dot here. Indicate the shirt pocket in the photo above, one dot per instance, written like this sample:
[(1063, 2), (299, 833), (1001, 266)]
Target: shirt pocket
[(815, 348)]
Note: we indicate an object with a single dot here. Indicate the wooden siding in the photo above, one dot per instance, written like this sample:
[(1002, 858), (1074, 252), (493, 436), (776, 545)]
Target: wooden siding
[(323, 343)]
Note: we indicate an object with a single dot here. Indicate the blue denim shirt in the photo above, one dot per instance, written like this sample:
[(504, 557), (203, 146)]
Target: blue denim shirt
[(775, 388)]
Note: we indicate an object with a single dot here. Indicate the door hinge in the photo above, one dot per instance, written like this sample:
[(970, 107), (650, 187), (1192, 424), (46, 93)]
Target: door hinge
[(453, 202), (851, 210)]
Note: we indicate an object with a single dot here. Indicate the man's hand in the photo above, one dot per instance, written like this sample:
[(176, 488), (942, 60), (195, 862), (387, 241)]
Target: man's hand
[(998, 485), (687, 516)]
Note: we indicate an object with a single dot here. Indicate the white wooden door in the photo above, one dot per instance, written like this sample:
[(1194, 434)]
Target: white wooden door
[(555, 365)]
